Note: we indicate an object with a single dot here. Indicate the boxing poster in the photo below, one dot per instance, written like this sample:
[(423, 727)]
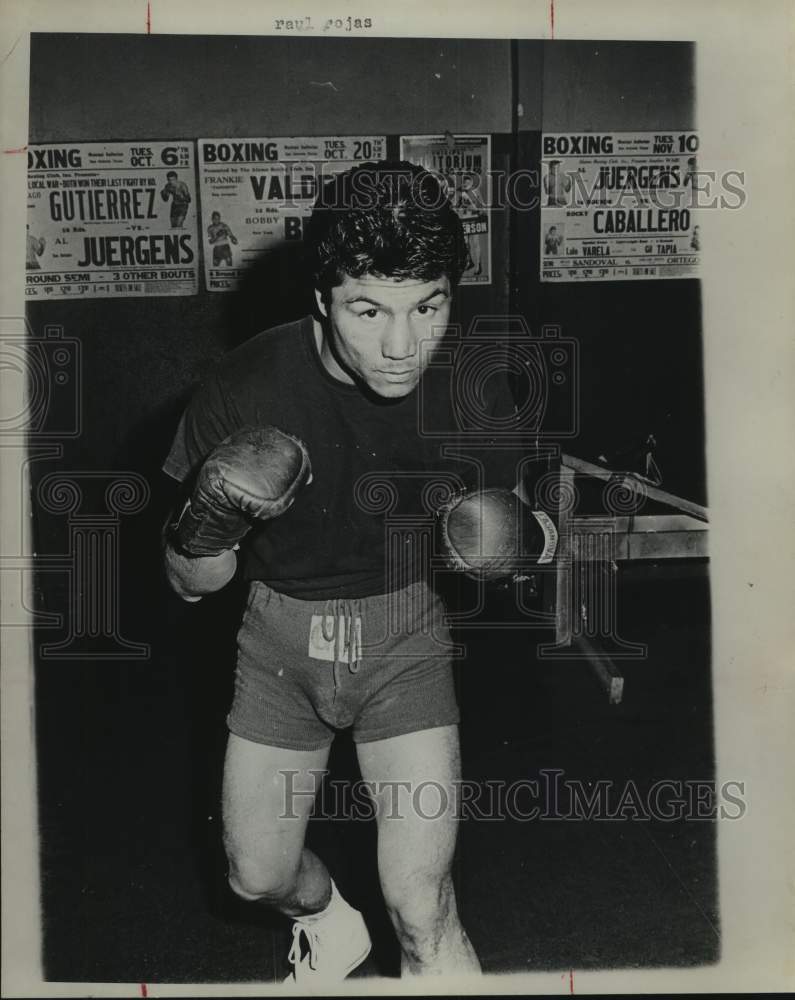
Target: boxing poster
[(464, 161), (111, 219), (258, 193), (620, 206)]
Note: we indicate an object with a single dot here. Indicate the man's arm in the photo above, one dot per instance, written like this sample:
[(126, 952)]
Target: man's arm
[(253, 475), (192, 577), (208, 420), (492, 518)]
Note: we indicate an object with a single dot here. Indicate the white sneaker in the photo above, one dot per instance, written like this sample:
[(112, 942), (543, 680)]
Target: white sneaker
[(333, 942)]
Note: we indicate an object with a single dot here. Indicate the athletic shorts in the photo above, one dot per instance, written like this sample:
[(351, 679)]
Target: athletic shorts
[(222, 254), (307, 669)]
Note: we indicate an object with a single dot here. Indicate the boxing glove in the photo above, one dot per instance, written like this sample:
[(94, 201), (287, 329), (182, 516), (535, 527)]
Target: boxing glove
[(252, 475), (489, 534)]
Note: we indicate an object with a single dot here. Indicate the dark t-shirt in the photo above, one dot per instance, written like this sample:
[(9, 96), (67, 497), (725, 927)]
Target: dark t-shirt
[(361, 527)]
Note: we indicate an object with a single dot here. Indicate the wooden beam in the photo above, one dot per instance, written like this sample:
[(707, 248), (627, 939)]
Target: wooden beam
[(641, 523), (650, 537), (607, 673), (563, 563), (636, 484), (667, 545)]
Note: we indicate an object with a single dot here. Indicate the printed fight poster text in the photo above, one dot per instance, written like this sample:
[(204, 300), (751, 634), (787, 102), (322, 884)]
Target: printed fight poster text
[(258, 193), (464, 161), (619, 206), (111, 219)]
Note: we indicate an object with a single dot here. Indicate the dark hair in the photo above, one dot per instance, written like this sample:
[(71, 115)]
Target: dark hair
[(171, 173), (390, 218)]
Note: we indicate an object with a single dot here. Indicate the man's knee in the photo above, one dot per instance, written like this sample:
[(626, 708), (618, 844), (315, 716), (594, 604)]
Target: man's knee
[(254, 880), (421, 907), (267, 876)]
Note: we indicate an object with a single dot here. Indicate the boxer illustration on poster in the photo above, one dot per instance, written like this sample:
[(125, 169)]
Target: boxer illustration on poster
[(178, 192), (464, 162)]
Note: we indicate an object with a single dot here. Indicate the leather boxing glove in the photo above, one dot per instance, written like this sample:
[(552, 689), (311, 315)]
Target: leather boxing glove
[(489, 534), (252, 475)]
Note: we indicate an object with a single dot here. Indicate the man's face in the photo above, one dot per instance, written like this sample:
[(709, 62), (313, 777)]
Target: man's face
[(377, 325)]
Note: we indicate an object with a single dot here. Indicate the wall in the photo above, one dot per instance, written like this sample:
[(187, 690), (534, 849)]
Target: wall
[(640, 341), (640, 344), (142, 356)]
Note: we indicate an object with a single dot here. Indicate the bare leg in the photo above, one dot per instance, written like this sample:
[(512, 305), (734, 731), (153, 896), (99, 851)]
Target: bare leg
[(416, 840), (267, 798)]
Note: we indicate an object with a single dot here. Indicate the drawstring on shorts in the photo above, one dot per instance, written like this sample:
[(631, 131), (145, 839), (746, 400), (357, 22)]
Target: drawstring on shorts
[(350, 612)]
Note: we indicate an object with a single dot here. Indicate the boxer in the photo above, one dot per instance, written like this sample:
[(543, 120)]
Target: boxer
[(178, 192), (295, 452)]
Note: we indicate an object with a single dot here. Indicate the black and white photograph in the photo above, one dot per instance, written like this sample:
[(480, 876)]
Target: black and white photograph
[(397, 551)]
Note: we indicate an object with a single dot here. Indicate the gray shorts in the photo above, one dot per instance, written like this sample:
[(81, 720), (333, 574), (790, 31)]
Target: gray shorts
[(305, 669)]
